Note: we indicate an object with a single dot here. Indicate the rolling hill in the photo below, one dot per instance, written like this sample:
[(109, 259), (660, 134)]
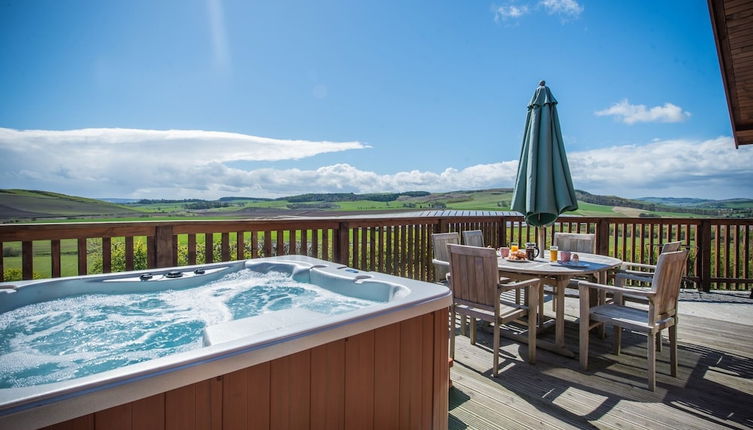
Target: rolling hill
[(29, 205), (701, 203), (33, 204)]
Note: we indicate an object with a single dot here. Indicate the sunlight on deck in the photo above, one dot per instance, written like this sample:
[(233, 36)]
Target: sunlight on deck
[(713, 388)]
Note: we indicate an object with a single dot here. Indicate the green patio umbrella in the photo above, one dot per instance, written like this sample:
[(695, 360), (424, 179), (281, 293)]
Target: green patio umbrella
[(543, 186)]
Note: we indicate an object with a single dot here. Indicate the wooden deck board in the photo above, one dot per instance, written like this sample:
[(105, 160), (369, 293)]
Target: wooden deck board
[(713, 390)]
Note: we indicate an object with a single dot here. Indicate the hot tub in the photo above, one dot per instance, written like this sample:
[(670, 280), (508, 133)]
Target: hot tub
[(351, 349)]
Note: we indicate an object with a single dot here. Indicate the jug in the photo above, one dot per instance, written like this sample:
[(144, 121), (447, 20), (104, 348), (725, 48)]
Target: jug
[(532, 250)]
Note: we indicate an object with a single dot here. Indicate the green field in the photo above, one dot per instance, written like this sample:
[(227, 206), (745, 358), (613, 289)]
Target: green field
[(41, 206), (42, 260), (31, 204)]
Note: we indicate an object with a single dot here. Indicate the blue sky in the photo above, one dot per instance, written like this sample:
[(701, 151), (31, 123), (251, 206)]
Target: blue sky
[(213, 98)]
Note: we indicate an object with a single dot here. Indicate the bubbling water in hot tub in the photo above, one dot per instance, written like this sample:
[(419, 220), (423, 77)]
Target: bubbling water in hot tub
[(81, 335)]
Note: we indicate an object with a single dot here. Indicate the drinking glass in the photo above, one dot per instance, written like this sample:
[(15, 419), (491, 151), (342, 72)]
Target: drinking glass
[(553, 253), (513, 247)]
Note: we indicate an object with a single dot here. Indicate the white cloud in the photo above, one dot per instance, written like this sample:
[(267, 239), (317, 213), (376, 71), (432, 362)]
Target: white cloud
[(124, 160), (630, 114), (568, 8), (192, 164), (513, 10), (509, 11), (681, 168)]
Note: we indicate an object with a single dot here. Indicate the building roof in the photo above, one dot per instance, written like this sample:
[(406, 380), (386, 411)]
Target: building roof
[(732, 23)]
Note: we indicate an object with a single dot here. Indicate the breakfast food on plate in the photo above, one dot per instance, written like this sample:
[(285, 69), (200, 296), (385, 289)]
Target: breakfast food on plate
[(517, 255)]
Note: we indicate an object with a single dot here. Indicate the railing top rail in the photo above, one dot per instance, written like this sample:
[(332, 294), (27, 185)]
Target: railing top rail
[(25, 232), (22, 232)]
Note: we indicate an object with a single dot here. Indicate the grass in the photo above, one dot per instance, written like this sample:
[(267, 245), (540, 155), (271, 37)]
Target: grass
[(53, 204), (42, 259), (45, 207)]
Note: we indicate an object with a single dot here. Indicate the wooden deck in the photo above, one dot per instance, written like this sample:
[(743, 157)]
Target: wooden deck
[(714, 388)]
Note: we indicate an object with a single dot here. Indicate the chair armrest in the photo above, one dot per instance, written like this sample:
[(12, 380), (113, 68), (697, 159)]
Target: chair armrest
[(627, 264), (441, 263), (585, 285), (535, 282), (635, 275), (634, 272)]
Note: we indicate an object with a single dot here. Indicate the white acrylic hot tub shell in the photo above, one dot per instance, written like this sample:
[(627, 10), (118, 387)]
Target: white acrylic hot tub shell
[(242, 343)]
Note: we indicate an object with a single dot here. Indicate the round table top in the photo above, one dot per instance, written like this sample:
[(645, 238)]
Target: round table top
[(589, 263)]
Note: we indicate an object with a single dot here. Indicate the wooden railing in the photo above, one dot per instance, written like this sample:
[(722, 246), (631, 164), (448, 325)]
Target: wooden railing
[(719, 248)]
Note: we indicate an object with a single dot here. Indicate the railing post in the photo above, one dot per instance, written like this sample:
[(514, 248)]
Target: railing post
[(602, 236), (703, 243), (83, 257), (342, 243), (444, 226), (163, 244), (27, 260), (502, 231)]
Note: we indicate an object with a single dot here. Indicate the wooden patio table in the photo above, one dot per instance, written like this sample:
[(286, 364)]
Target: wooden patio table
[(558, 276)]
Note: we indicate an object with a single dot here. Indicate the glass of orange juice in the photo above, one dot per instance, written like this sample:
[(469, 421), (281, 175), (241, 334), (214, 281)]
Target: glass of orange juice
[(513, 247), (553, 253)]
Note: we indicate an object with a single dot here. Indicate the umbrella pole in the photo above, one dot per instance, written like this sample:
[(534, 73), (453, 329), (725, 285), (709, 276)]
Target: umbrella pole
[(542, 240)]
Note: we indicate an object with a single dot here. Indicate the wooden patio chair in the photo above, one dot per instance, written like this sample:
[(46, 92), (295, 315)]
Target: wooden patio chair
[(476, 290), (441, 260), (645, 273), (661, 313), (575, 242), (642, 272), (473, 238)]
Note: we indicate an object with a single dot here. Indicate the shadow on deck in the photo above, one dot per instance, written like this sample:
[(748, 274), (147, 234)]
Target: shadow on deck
[(714, 387)]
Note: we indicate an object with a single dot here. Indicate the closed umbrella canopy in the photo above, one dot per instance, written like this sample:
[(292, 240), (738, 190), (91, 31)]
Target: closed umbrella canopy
[(543, 186)]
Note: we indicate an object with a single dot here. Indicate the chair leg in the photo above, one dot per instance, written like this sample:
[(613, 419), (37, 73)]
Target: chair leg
[(541, 307), (495, 348), (617, 330), (658, 341), (464, 325), (583, 334), (452, 332), (472, 322), (651, 353), (602, 298), (673, 350), (533, 302)]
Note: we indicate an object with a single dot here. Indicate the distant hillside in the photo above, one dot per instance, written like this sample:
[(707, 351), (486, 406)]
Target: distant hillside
[(709, 208), (675, 201), (23, 205), (118, 200), (29, 204), (701, 203), (350, 197), (241, 199)]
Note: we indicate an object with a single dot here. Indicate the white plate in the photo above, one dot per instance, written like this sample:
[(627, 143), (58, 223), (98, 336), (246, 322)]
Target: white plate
[(516, 261)]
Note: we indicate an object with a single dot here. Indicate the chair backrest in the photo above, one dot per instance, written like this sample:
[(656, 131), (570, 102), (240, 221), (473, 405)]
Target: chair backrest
[(474, 275), (671, 246), (439, 242), (473, 238), (666, 281), (575, 242)]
